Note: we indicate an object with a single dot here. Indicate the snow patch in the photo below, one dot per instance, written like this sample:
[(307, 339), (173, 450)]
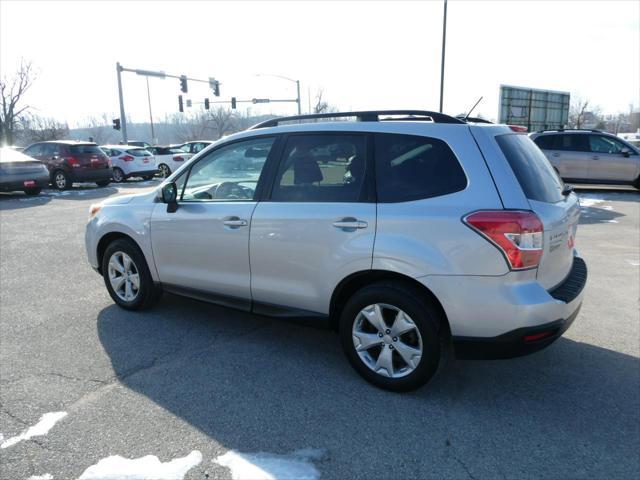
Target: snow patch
[(297, 465), (589, 201), (634, 263), (143, 468), (612, 221), (46, 423), (46, 476)]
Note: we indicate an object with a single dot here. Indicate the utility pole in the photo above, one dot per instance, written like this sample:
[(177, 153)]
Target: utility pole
[(444, 42), (298, 87), (153, 136), (123, 120)]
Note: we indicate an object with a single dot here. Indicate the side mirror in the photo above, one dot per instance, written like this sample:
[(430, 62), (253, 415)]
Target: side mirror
[(170, 196), (626, 152)]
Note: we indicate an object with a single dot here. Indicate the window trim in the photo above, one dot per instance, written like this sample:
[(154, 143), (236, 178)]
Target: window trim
[(367, 193), (257, 192)]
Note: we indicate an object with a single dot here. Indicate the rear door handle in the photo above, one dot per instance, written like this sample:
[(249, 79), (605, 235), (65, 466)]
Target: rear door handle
[(234, 222), (350, 223)]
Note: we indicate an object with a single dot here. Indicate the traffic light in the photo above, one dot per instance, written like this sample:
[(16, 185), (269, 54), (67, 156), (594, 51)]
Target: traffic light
[(189, 103), (180, 106), (233, 103), (116, 124), (216, 88), (183, 84), (206, 104)]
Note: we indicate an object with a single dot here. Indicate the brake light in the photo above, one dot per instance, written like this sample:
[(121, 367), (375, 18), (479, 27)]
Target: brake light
[(518, 128), (517, 234), (73, 161), (127, 158), (178, 158)]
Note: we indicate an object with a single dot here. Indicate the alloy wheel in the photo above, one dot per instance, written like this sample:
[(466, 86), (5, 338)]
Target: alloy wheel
[(124, 276), (387, 340), (164, 170), (60, 180), (118, 176)]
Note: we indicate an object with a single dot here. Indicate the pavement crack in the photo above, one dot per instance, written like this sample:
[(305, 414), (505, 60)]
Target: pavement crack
[(464, 465), (11, 415)]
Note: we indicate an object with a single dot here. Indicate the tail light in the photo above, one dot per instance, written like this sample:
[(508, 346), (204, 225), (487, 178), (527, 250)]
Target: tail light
[(518, 128), (178, 158), (127, 158), (72, 161), (517, 234), (109, 162)]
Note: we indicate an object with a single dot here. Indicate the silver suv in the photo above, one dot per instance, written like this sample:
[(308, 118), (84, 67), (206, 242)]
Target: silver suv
[(406, 231), (590, 156)]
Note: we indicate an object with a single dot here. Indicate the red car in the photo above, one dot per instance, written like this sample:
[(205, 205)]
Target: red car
[(72, 161)]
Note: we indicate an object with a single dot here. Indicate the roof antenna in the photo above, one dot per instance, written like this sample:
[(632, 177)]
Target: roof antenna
[(472, 109)]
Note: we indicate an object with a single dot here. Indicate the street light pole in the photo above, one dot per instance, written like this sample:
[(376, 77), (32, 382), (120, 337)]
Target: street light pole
[(123, 120), (153, 136), (444, 42), (298, 88), (297, 82)]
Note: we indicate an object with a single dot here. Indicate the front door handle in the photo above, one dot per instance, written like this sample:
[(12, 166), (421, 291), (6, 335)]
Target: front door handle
[(595, 157), (234, 222), (350, 223)]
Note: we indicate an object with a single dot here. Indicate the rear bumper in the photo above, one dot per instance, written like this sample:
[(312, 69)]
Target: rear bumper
[(12, 183), (90, 175), (490, 316)]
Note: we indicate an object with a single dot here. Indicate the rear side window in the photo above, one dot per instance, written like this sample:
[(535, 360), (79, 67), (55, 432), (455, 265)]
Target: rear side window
[(34, 150), (532, 169), (546, 142), (321, 168), (138, 152), (85, 149), (411, 167)]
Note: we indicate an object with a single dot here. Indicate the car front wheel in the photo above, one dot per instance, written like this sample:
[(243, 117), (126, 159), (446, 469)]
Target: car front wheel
[(61, 180), (165, 171), (32, 191), (390, 335), (118, 175), (127, 277)]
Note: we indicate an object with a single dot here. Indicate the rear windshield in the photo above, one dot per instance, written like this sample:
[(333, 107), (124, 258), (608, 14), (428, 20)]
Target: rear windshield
[(537, 177), (138, 152), (84, 149)]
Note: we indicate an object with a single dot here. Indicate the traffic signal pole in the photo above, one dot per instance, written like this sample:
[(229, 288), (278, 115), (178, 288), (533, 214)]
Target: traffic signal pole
[(123, 120)]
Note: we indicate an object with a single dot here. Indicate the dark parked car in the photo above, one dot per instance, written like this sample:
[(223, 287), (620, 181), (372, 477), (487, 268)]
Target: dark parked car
[(71, 161), (19, 172)]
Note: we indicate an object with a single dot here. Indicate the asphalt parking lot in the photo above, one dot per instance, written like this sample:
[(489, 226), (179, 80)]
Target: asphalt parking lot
[(212, 391)]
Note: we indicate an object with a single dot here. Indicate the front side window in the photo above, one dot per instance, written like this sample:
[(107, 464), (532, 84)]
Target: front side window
[(410, 167), (572, 143), (602, 144), (321, 168), (229, 173)]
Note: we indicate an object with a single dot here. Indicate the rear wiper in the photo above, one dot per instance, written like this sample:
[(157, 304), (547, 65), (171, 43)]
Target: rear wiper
[(567, 189)]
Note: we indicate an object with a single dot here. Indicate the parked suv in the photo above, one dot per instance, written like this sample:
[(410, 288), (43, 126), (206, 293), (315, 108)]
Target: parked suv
[(424, 232), (590, 156), (70, 161)]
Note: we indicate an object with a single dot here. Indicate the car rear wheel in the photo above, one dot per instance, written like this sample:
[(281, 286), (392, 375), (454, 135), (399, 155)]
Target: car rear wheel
[(390, 335), (60, 180), (32, 191), (103, 183), (127, 277), (165, 171), (118, 175)]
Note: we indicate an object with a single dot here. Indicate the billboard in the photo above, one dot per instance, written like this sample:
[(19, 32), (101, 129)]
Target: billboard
[(533, 108)]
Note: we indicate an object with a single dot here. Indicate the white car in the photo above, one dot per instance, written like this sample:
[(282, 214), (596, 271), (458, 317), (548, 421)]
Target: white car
[(169, 159), (130, 161)]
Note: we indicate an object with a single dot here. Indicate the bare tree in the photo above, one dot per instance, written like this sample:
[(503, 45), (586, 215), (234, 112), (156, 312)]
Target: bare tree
[(577, 110), (99, 129), (11, 95), (40, 129), (223, 121), (321, 105)]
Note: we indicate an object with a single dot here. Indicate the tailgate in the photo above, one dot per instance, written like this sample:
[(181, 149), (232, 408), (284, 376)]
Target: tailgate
[(543, 192), (560, 222)]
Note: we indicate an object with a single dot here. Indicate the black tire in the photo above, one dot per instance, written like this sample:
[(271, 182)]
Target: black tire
[(148, 294), (103, 183), (164, 170), (118, 175), (147, 177), (60, 180), (32, 191), (425, 317)]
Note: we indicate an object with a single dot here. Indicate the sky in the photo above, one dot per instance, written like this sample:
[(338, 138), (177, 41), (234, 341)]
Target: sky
[(362, 54)]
